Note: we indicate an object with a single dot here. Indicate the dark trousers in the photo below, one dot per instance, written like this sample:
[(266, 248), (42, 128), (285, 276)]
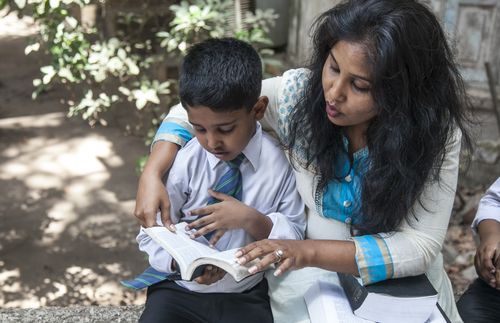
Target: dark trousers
[(480, 303), (168, 302)]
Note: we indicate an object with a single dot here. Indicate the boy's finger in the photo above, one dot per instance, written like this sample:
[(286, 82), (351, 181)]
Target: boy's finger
[(216, 237), (199, 223), (201, 232), (220, 196), (202, 210)]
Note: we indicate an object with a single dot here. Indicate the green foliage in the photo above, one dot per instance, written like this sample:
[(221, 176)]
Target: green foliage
[(128, 68)]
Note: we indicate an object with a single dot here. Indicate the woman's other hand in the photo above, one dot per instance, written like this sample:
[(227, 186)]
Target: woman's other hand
[(285, 254)]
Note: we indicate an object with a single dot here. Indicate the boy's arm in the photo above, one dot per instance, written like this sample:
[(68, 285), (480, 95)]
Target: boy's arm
[(289, 221)]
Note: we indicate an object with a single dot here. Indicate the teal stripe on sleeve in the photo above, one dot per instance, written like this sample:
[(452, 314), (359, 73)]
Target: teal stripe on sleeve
[(372, 261), (172, 128)]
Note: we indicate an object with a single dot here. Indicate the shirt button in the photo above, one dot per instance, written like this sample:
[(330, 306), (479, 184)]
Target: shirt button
[(348, 220), (347, 203), (348, 178)]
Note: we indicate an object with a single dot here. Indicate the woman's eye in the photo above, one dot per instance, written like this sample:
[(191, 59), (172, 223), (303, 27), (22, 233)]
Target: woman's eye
[(334, 69), (360, 88)]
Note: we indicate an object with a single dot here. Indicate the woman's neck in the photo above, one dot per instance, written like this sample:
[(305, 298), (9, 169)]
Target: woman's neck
[(357, 138)]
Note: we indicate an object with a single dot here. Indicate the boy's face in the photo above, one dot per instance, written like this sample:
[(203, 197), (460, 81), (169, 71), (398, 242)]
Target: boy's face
[(225, 134)]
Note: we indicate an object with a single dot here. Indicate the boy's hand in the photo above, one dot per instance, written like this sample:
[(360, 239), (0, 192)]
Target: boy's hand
[(225, 215), (151, 196), (487, 259), (211, 274)]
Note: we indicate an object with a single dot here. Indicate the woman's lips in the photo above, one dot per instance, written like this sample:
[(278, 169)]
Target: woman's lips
[(332, 111)]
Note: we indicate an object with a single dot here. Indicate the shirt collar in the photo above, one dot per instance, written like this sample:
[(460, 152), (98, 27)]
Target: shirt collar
[(357, 155), (251, 151)]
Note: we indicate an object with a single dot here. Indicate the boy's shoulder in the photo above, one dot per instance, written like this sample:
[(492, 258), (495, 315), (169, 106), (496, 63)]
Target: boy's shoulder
[(272, 154), (190, 154)]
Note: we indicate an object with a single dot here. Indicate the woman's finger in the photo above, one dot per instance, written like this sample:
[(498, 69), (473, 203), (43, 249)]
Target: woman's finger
[(284, 266), (266, 261), (258, 251), (199, 223)]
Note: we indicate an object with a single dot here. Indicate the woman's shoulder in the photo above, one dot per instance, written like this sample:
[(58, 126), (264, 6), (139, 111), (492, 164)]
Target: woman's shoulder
[(295, 79)]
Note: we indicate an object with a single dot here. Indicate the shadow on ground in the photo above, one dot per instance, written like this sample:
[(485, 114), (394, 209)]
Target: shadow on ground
[(67, 234)]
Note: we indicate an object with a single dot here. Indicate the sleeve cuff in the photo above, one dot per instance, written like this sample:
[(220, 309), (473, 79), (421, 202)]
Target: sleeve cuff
[(175, 131), (485, 212), (282, 229), (373, 259)]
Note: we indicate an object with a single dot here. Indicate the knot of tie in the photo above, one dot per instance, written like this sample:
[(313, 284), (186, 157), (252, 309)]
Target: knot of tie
[(231, 182), (235, 163)]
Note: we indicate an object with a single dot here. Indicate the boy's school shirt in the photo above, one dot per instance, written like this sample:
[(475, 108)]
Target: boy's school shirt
[(489, 206), (268, 186)]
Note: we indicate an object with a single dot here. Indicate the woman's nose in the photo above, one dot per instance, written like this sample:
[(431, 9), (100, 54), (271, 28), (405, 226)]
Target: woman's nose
[(336, 92)]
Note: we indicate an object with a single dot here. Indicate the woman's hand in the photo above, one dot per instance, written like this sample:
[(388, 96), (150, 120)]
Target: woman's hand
[(211, 274), (151, 193), (285, 254), (151, 197), (487, 259), (227, 215)]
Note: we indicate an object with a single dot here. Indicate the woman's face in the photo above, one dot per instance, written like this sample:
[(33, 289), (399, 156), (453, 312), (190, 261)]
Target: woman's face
[(346, 82)]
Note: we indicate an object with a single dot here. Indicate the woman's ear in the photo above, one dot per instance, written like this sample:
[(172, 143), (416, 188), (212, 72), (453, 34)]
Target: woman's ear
[(260, 107)]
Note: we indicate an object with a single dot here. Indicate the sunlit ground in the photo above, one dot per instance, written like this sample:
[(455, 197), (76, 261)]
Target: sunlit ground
[(66, 195)]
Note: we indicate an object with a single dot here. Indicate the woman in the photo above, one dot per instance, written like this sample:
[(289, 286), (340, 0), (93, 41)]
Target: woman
[(373, 128)]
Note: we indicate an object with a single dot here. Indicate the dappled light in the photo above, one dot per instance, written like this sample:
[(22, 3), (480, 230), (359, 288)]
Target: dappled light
[(67, 233)]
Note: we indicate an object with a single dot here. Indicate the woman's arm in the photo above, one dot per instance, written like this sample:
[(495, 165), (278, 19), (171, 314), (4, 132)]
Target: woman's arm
[(333, 255), (407, 252)]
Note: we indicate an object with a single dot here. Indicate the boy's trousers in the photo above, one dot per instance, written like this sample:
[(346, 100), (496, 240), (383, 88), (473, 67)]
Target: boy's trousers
[(168, 302)]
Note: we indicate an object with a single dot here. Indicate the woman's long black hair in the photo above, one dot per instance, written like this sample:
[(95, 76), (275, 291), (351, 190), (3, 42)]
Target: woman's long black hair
[(418, 93)]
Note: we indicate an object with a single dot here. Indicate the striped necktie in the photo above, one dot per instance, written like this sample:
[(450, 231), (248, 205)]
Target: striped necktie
[(230, 184)]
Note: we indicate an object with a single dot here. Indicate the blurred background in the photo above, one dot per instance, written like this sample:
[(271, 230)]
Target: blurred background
[(83, 86)]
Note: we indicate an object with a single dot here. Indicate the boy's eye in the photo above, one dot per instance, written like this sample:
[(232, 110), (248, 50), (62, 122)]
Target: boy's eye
[(226, 129), (198, 129)]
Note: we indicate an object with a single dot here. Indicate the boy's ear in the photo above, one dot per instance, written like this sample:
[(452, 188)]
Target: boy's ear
[(260, 107)]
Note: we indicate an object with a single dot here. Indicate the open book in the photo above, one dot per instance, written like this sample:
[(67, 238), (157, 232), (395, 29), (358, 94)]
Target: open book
[(327, 302), (193, 255)]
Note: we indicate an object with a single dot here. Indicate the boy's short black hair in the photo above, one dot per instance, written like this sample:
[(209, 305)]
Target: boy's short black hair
[(222, 74)]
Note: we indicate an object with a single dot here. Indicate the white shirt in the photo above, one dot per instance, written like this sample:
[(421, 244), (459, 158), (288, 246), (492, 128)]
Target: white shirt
[(489, 206), (268, 186)]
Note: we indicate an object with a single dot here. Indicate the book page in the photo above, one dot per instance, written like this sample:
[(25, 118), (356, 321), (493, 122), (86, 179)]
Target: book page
[(327, 303), (227, 261), (182, 248)]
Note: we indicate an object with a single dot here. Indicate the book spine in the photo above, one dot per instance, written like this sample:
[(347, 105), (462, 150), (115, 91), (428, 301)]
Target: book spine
[(355, 292)]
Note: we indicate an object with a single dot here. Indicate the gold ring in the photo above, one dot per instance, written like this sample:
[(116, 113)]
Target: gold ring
[(279, 254)]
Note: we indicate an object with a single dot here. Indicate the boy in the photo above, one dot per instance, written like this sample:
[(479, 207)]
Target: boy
[(481, 301), (220, 85)]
